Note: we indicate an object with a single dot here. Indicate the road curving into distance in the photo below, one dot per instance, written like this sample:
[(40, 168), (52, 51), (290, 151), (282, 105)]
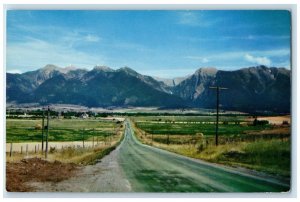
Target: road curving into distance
[(150, 169)]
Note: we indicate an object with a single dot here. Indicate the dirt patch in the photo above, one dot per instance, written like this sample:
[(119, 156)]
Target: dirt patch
[(276, 120), (36, 170), (275, 131)]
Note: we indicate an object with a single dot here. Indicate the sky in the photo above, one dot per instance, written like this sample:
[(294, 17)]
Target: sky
[(166, 43)]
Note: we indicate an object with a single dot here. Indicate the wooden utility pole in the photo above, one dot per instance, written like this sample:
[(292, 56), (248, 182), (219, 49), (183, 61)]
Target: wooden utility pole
[(217, 88), (47, 132), (43, 127)]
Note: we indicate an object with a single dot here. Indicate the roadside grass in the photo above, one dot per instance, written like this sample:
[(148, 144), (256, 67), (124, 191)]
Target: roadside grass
[(87, 156), (77, 155), (264, 149)]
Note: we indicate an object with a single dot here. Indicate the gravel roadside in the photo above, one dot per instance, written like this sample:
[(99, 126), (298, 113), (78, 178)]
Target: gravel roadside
[(105, 176)]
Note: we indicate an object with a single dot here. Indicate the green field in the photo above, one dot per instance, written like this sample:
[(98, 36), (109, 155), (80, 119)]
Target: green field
[(191, 128), (21, 130), (193, 118), (260, 147)]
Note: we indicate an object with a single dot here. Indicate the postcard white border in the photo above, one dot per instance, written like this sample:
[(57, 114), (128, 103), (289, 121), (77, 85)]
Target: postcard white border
[(134, 6)]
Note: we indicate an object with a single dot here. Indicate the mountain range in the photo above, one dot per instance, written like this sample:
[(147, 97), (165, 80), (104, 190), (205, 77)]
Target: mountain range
[(250, 89)]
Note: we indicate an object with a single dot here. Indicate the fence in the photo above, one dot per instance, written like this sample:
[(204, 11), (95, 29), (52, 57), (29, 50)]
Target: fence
[(84, 138)]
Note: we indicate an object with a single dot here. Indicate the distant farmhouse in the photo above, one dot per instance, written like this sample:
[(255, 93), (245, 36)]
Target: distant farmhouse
[(84, 116)]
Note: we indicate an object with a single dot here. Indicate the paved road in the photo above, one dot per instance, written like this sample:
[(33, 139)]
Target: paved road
[(150, 169), (134, 167)]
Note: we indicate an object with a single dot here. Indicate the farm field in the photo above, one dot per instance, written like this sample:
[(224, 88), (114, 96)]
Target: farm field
[(78, 140), (26, 130), (263, 147)]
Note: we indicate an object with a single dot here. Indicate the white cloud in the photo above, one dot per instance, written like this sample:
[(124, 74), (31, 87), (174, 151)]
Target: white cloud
[(69, 37), (237, 55), (205, 60), (14, 71), (191, 18), (201, 59), (92, 38), (62, 47), (188, 18), (258, 60), (34, 54)]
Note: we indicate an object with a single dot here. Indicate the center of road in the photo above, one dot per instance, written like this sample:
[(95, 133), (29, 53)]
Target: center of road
[(150, 169)]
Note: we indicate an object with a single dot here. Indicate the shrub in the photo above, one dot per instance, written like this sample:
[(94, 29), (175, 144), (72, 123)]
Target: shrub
[(200, 147), (260, 122), (52, 150), (38, 127)]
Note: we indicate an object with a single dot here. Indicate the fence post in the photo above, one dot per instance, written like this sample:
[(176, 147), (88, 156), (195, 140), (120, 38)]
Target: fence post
[(10, 152), (83, 137), (26, 150), (48, 115), (43, 128), (93, 140), (34, 148), (21, 149)]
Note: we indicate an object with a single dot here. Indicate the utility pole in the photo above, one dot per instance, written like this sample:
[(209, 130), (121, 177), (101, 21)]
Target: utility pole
[(217, 88), (43, 127), (47, 132)]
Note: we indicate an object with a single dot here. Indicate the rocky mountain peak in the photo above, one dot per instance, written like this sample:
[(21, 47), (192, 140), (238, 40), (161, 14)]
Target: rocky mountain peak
[(68, 69), (103, 68), (209, 71), (50, 68), (128, 70)]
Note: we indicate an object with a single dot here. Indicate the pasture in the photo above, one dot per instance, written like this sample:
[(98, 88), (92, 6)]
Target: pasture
[(263, 147), (70, 140), (24, 130)]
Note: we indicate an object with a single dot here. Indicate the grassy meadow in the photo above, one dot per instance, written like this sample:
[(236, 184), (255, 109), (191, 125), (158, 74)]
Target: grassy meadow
[(74, 135), (26, 130), (263, 148)]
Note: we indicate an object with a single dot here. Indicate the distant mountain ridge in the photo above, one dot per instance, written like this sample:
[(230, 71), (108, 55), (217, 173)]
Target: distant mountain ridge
[(171, 82), (249, 89)]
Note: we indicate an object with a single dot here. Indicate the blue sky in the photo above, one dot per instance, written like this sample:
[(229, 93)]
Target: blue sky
[(157, 43)]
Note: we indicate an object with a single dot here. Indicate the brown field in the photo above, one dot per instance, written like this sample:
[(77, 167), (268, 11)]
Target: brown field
[(37, 170), (276, 120)]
